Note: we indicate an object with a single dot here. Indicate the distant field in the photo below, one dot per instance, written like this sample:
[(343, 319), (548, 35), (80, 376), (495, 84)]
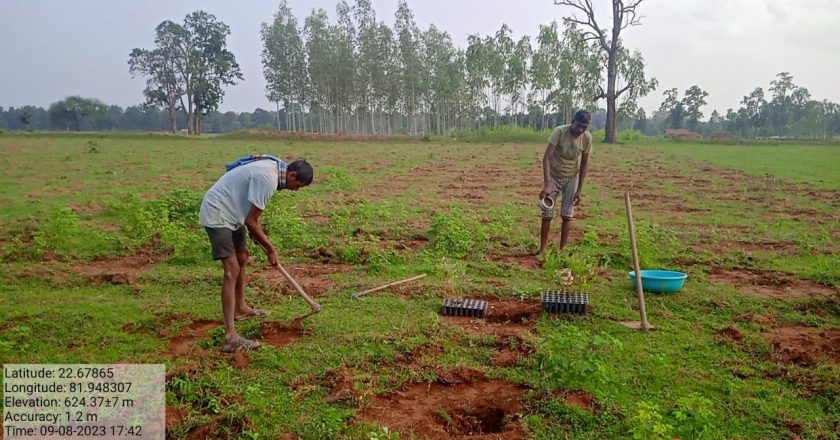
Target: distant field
[(816, 165), (101, 261)]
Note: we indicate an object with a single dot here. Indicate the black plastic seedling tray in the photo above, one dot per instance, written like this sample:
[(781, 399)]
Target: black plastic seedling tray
[(464, 307), (565, 302)]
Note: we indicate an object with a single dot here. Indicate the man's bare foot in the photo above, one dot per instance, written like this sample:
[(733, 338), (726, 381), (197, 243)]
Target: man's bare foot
[(239, 343), (250, 312)]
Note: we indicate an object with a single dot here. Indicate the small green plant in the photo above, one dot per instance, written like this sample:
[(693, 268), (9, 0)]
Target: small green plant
[(694, 417), (456, 235), (649, 424), (287, 228), (573, 357), (570, 267), (93, 147), (338, 178), (63, 234), (443, 416), (379, 259), (384, 434), (454, 272)]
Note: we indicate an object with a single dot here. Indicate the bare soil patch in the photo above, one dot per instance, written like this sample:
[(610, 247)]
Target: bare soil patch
[(279, 334), (732, 336), (525, 261), (174, 417), (220, 428), (311, 277), (90, 208), (468, 407), (770, 283), (511, 350), (757, 318), (411, 244), (340, 381), (798, 344), (730, 246), (123, 270), (239, 360), (503, 319), (581, 399), (182, 343)]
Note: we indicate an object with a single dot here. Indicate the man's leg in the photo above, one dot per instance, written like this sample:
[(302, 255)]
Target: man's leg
[(230, 265), (243, 310), (544, 229), (242, 259), (567, 209), (564, 231), (225, 250)]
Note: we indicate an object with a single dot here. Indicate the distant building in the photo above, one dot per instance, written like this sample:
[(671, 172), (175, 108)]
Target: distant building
[(681, 133)]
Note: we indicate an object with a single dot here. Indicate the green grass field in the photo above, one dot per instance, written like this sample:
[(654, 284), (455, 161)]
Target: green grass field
[(103, 261)]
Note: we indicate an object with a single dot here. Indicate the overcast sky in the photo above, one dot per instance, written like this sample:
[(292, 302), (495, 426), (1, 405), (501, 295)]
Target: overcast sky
[(55, 48)]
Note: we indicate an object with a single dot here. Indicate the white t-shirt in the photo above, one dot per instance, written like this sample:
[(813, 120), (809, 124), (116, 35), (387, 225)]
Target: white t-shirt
[(229, 200)]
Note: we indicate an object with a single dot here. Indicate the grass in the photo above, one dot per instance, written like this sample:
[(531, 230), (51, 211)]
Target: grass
[(388, 209), (815, 165)]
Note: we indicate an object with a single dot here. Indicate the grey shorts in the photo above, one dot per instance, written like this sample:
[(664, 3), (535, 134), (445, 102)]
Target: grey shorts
[(225, 242), (562, 189)]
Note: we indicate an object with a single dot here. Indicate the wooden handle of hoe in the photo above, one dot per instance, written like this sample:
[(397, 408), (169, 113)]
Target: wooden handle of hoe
[(360, 294), (639, 292), (315, 306)]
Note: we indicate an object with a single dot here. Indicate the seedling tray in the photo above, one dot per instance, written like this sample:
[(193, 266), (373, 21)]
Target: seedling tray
[(565, 302), (464, 307)]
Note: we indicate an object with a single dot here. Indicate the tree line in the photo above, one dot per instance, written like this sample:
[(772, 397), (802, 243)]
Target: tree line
[(787, 111), (360, 74), (89, 114), (96, 116)]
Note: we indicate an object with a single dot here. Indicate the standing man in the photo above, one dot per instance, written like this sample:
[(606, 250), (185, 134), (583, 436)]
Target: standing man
[(565, 163), (232, 205)]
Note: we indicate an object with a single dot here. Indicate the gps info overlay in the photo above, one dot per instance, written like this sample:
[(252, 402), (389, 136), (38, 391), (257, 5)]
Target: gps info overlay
[(64, 401)]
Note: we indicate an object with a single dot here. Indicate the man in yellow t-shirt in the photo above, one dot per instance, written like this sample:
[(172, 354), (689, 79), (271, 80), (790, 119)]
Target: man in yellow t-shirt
[(565, 163)]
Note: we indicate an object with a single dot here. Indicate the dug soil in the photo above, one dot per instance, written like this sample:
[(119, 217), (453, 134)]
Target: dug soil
[(459, 405), (798, 344), (770, 283)]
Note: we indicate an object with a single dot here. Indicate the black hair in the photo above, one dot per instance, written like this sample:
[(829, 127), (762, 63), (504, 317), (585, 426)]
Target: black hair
[(303, 169), (582, 117)]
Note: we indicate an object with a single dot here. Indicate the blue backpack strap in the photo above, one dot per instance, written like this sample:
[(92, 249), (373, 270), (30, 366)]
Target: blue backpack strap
[(248, 159)]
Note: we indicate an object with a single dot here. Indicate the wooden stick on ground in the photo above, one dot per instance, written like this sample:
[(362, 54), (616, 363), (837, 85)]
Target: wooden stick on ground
[(360, 294), (643, 324)]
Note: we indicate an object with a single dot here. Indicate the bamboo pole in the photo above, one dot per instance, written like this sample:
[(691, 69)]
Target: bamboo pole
[(643, 323)]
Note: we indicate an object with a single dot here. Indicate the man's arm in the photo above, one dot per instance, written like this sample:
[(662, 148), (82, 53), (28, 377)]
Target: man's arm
[(549, 152), (252, 222), (584, 165)]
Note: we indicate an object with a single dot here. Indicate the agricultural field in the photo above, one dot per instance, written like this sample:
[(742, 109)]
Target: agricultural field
[(102, 261)]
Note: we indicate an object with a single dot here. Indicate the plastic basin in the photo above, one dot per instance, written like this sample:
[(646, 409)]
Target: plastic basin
[(660, 281)]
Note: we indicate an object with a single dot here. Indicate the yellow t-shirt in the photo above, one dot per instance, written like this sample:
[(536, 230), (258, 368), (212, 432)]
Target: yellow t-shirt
[(565, 162)]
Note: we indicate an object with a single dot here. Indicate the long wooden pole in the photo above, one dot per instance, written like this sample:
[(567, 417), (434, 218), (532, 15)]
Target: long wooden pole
[(315, 306), (360, 294), (639, 292)]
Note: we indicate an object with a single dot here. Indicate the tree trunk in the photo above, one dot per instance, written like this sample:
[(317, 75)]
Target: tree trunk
[(277, 103)]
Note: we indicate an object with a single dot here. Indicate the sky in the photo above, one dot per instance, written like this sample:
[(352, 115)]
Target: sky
[(56, 48)]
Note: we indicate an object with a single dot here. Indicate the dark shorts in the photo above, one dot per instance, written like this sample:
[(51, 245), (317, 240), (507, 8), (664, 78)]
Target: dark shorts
[(226, 242)]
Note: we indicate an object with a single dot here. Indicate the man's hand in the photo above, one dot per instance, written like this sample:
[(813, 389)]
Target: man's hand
[(545, 191), (578, 195), (272, 257)]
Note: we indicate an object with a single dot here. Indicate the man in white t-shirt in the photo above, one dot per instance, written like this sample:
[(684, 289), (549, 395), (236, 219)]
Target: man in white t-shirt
[(232, 205)]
